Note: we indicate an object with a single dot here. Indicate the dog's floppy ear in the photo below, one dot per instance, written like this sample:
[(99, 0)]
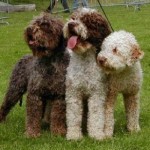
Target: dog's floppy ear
[(28, 34), (136, 55)]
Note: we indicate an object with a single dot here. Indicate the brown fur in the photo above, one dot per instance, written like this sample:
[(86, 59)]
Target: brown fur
[(42, 76), (96, 25), (85, 32)]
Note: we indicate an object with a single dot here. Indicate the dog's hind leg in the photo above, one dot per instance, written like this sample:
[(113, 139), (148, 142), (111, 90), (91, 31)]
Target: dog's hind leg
[(58, 117), (17, 87)]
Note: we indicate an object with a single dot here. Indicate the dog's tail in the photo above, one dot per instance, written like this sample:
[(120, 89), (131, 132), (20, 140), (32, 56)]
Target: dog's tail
[(17, 87)]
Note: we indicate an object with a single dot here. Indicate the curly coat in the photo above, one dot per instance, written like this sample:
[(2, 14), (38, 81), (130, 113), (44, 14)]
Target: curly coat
[(120, 59), (42, 76), (85, 32)]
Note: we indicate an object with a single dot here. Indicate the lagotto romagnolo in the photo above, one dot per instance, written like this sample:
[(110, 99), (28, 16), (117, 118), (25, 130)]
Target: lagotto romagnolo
[(42, 76), (120, 59), (85, 32)]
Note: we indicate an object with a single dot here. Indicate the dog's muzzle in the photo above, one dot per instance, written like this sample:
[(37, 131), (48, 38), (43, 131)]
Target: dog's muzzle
[(101, 60)]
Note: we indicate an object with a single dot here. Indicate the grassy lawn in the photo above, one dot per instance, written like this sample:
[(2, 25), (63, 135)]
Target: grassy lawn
[(13, 47)]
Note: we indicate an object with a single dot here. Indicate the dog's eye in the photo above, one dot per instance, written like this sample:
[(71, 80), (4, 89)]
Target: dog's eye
[(73, 18), (114, 50)]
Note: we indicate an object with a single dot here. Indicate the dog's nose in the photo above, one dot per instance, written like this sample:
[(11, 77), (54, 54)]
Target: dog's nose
[(71, 25), (101, 60)]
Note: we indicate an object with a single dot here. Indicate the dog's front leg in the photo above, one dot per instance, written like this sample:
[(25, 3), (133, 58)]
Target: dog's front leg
[(34, 115), (109, 113), (58, 117), (96, 116), (73, 115), (132, 111)]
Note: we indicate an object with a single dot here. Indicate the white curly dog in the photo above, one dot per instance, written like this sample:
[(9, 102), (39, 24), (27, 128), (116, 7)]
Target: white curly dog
[(120, 59), (84, 80)]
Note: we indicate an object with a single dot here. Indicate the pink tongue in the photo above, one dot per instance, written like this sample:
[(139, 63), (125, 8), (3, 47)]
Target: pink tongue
[(32, 42), (72, 42)]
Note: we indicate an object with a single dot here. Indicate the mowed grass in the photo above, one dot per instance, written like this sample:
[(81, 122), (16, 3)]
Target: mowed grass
[(13, 47)]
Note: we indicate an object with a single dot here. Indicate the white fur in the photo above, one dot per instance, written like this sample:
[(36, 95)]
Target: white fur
[(125, 77), (80, 29), (84, 79), (124, 42)]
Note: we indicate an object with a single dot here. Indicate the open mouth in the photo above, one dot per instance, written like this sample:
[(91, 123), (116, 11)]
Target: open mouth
[(38, 46), (73, 41), (33, 43)]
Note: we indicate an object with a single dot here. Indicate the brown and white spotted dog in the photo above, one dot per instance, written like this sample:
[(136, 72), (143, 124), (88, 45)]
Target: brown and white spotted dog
[(85, 32)]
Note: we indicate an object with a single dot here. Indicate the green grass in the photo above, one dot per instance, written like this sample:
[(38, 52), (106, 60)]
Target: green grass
[(13, 47)]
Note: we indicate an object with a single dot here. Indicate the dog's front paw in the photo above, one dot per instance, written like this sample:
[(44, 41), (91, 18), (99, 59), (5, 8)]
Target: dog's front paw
[(133, 128), (74, 136), (59, 131), (32, 134), (108, 133), (98, 136)]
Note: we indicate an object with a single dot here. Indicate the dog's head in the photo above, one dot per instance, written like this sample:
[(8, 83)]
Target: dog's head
[(44, 35), (118, 51), (86, 29)]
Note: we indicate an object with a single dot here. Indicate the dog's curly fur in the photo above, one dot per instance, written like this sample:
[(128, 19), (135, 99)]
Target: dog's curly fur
[(85, 31), (120, 59), (42, 76), (90, 26)]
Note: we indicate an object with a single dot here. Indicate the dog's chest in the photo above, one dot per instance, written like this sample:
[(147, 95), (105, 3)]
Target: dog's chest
[(84, 72), (49, 78)]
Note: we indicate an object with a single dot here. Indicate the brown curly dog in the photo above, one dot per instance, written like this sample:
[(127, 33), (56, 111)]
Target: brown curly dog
[(42, 76)]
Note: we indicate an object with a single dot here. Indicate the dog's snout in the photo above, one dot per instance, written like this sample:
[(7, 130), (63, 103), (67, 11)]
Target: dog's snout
[(101, 60), (71, 25), (28, 31)]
